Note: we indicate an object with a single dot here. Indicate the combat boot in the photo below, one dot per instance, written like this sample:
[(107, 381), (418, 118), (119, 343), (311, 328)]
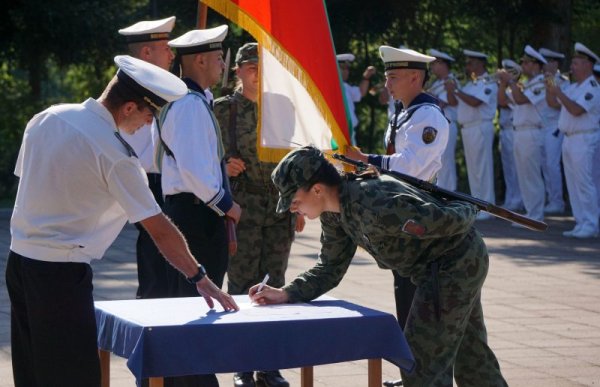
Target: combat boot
[(270, 379), (243, 379)]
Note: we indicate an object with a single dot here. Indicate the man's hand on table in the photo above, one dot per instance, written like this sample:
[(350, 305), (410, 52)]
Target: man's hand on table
[(268, 295), (209, 290)]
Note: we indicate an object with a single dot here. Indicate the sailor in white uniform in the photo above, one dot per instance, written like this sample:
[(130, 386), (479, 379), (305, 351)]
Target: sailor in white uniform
[(579, 121), (528, 122), (512, 194), (147, 40), (553, 138), (440, 67), (477, 102)]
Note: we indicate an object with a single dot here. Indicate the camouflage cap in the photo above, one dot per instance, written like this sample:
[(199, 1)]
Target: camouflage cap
[(294, 171), (247, 53)]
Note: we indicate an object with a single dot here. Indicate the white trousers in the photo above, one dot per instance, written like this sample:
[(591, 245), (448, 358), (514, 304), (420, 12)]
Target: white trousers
[(578, 155), (528, 145), (447, 174), (478, 140), (512, 196), (551, 170)]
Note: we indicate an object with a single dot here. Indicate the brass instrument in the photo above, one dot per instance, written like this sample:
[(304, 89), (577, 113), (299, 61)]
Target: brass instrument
[(436, 88), (514, 74)]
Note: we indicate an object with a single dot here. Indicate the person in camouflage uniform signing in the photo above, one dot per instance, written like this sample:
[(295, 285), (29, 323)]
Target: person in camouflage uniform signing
[(264, 236), (429, 240)]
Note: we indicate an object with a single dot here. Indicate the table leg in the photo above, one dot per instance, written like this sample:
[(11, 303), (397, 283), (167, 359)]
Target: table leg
[(375, 373), (156, 382), (307, 376), (104, 367)]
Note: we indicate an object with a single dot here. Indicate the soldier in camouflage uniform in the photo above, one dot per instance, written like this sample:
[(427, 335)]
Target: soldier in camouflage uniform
[(431, 241), (264, 236)]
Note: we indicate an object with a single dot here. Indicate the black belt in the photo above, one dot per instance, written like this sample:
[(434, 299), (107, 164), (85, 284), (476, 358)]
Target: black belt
[(183, 197)]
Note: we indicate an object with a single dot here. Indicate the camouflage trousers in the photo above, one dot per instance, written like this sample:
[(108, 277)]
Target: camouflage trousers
[(264, 241), (445, 328)]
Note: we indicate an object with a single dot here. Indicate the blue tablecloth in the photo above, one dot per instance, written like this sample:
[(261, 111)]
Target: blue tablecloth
[(182, 336)]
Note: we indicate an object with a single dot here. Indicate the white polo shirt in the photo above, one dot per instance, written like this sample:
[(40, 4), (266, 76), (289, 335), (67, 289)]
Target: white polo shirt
[(78, 185)]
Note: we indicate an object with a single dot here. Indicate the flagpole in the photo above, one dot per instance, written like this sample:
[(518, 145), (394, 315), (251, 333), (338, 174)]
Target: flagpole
[(201, 17)]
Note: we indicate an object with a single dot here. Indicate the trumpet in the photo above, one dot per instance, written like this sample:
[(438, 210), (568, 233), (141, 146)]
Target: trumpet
[(514, 74), (550, 79), (436, 88)]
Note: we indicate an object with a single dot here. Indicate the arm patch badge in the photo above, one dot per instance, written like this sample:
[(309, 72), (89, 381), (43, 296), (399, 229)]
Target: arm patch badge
[(588, 96), (411, 227), (429, 134), (487, 91)]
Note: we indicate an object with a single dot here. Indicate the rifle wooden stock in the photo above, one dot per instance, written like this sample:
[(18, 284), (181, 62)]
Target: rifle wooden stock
[(451, 195)]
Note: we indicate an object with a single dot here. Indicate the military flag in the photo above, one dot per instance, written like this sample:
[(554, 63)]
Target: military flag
[(301, 100)]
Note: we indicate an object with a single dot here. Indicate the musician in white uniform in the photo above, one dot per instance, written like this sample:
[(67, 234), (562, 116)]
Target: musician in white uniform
[(194, 183), (353, 94), (528, 122), (512, 194), (440, 67), (477, 101), (553, 138), (579, 121), (147, 40)]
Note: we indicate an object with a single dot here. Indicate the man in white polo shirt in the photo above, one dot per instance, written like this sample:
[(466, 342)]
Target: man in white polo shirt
[(79, 183)]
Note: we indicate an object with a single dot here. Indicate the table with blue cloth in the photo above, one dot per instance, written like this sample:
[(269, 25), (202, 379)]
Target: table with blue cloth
[(183, 336)]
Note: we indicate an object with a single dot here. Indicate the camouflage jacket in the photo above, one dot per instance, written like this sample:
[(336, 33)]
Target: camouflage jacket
[(403, 228), (257, 173)]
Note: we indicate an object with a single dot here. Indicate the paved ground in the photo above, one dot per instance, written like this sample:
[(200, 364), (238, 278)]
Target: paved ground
[(541, 301)]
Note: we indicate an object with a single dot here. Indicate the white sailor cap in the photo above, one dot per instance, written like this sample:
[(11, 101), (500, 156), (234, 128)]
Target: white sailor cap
[(440, 55), (581, 50), (148, 30), (345, 57), (195, 41), (403, 58), (475, 54), (531, 54), (549, 54), (511, 64), (155, 85)]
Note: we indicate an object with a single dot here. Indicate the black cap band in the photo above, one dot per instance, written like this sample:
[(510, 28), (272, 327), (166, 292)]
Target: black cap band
[(214, 46), (152, 99), (147, 37), (583, 54), (405, 65)]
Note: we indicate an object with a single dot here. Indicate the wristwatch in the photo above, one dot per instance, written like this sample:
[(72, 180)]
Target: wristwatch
[(198, 277)]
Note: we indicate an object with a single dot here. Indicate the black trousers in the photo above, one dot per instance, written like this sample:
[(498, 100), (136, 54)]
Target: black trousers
[(206, 236), (151, 265), (53, 323)]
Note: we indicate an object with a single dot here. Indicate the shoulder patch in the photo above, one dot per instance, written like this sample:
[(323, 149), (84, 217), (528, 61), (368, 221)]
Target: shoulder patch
[(537, 91), (429, 134), (589, 96), (487, 91), (593, 83), (412, 227)]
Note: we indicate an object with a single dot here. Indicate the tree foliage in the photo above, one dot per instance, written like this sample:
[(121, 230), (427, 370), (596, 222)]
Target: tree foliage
[(61, 50)]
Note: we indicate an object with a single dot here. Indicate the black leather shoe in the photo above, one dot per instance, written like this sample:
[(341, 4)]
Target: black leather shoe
[(393, 383), (243, 379), (270, 379)]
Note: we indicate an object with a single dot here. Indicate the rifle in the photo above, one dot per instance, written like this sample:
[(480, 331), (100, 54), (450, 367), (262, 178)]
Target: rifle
[(497, 211)]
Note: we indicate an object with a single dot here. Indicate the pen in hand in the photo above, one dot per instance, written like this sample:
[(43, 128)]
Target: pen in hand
[(263, 283)]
